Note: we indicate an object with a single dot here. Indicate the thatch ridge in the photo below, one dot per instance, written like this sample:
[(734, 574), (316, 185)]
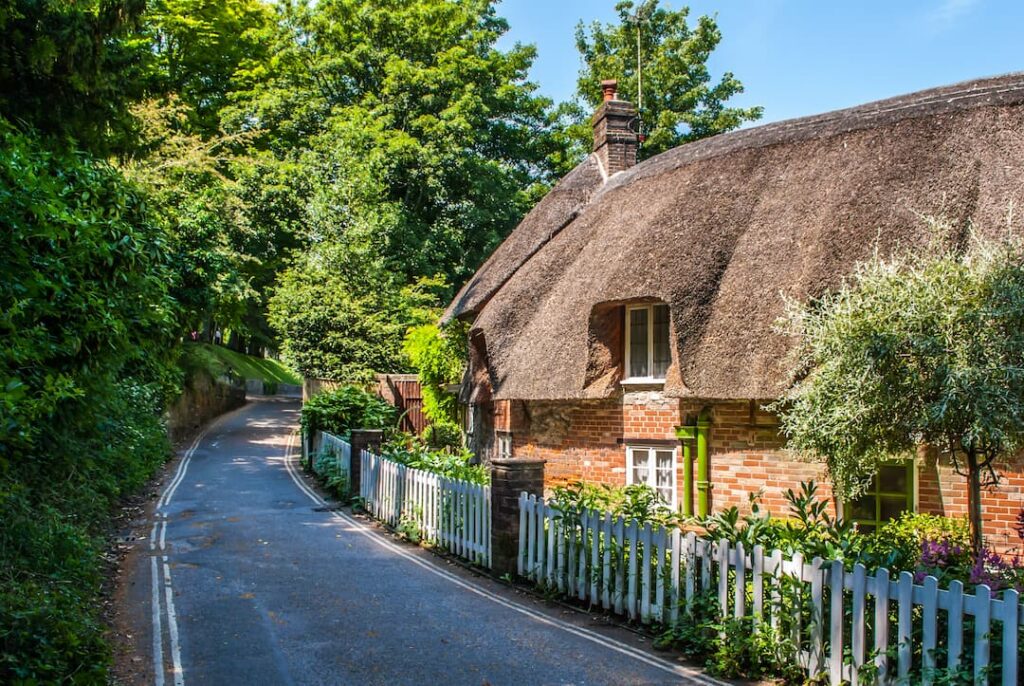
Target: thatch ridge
[(721, 228)]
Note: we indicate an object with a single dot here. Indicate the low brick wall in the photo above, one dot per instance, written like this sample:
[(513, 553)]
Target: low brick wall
[(203, 399)]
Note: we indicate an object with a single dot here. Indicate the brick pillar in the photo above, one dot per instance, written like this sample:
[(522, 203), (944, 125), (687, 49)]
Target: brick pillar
[(509, 478), (360, 440)]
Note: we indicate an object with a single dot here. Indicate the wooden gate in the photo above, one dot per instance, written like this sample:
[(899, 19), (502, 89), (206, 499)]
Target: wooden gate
[(403, 391)]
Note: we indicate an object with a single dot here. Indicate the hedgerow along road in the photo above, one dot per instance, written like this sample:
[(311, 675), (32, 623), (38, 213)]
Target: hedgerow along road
[(248, 578)]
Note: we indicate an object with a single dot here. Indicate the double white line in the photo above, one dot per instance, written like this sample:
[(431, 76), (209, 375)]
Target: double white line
[(690, 676), (158, 541)]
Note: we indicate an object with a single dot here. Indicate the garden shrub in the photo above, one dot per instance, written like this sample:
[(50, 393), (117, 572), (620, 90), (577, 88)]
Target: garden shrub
[(439, 356), (332, 476), (349, 407), (412, 451), (635, 502)]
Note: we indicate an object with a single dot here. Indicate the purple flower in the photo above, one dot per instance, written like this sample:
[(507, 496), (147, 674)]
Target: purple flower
[(992, 570), (939, 553)]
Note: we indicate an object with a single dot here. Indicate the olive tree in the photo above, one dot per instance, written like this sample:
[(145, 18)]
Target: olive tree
[(918, 349)]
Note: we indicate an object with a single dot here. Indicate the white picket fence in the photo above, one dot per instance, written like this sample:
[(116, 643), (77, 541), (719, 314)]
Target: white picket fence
[(653, 575), (341, 450), (453, 514)]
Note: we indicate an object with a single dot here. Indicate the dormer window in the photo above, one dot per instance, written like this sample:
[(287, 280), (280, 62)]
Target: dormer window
[(648, 354)]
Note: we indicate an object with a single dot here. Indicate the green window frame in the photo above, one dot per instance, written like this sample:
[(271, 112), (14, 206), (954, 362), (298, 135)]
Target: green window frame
[(890, 494)]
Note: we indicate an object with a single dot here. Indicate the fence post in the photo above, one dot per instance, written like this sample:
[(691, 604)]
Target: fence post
[(362, 439), (510, 478), (309, 445)]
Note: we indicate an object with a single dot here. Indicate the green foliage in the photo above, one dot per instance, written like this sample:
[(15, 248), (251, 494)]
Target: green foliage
[(421, 151), (439, 358), (68, 68), (332, 476), (332, 327), (808, 529), (413, 452), (636, 502), (85, 368), (680, 101), (915, 349), (200, 45), (223, 361), (346, 408), (897, 545)]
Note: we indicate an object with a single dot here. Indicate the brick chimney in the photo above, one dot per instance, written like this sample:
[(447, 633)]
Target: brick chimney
[(615, 130)]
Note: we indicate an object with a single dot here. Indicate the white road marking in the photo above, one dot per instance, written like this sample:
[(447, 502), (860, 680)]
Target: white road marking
[(172, 627), (158, 642), (172, 619), (586, 634)]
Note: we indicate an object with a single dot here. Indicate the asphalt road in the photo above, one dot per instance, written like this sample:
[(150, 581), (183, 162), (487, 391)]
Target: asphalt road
[(246, 579)]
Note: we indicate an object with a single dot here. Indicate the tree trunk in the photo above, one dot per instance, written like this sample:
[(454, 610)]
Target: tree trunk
[(974, 500)]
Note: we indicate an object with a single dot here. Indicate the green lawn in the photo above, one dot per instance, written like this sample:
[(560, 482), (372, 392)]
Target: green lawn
[(245, 366)]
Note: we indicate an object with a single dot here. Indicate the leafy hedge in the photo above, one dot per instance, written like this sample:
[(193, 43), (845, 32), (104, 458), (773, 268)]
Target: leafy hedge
[(346, 408), (85, 321)]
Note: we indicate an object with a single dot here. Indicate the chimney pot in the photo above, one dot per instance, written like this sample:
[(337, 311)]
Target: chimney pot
[(610, 88), (615, 131)]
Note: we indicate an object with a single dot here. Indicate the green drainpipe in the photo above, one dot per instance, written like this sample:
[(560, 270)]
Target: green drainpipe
[(703, 471), (687, 434)]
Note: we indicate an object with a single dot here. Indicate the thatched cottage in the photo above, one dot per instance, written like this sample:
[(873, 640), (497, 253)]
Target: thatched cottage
[(625, 330)]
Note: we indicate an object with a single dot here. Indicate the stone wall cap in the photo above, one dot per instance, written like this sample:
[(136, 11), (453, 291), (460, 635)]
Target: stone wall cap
[(367, 431), (518, 461)]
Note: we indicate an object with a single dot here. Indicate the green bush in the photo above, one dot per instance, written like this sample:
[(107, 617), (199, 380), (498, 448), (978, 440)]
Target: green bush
[(346, 408), (636, 502), (898, 544), (332, 476), (413, 452), (439, 356), (86, 366)]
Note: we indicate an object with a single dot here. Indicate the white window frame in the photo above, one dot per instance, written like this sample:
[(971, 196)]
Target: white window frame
[(649, 307), (504, 445), (470, 420), (652, 478)]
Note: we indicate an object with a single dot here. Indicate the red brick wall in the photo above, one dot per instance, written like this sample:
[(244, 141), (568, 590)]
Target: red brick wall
[(586, 440), (942, 491)]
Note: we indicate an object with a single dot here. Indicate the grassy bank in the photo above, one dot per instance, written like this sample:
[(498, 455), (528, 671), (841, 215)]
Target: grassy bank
[(220, 360)]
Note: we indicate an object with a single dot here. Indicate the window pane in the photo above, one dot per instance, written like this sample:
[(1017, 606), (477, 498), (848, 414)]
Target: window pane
[(662, 354), (863, 508), (892, 506), (641, 466), (664, 475), (638, 343), (892, 479)]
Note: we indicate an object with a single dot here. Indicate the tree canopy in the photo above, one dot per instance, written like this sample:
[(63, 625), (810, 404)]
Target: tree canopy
[(917, 349), (681, 102)]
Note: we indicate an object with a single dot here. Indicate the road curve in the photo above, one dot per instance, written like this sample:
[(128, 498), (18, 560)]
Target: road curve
[(247, 579)]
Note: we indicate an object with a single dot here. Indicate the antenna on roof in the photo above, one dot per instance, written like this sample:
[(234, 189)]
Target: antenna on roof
[(638, 20)]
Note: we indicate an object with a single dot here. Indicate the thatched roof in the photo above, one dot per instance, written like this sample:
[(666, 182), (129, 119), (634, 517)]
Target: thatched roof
[(720, 229)]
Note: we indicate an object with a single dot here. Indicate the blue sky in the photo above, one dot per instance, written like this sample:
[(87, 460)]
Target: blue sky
[(800, 58)]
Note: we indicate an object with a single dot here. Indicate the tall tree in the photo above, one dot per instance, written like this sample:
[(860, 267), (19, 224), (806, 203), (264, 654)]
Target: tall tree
[(69, 69), (445, 124), (915, 350), (423, 148), (680, 101), (200, 45)]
